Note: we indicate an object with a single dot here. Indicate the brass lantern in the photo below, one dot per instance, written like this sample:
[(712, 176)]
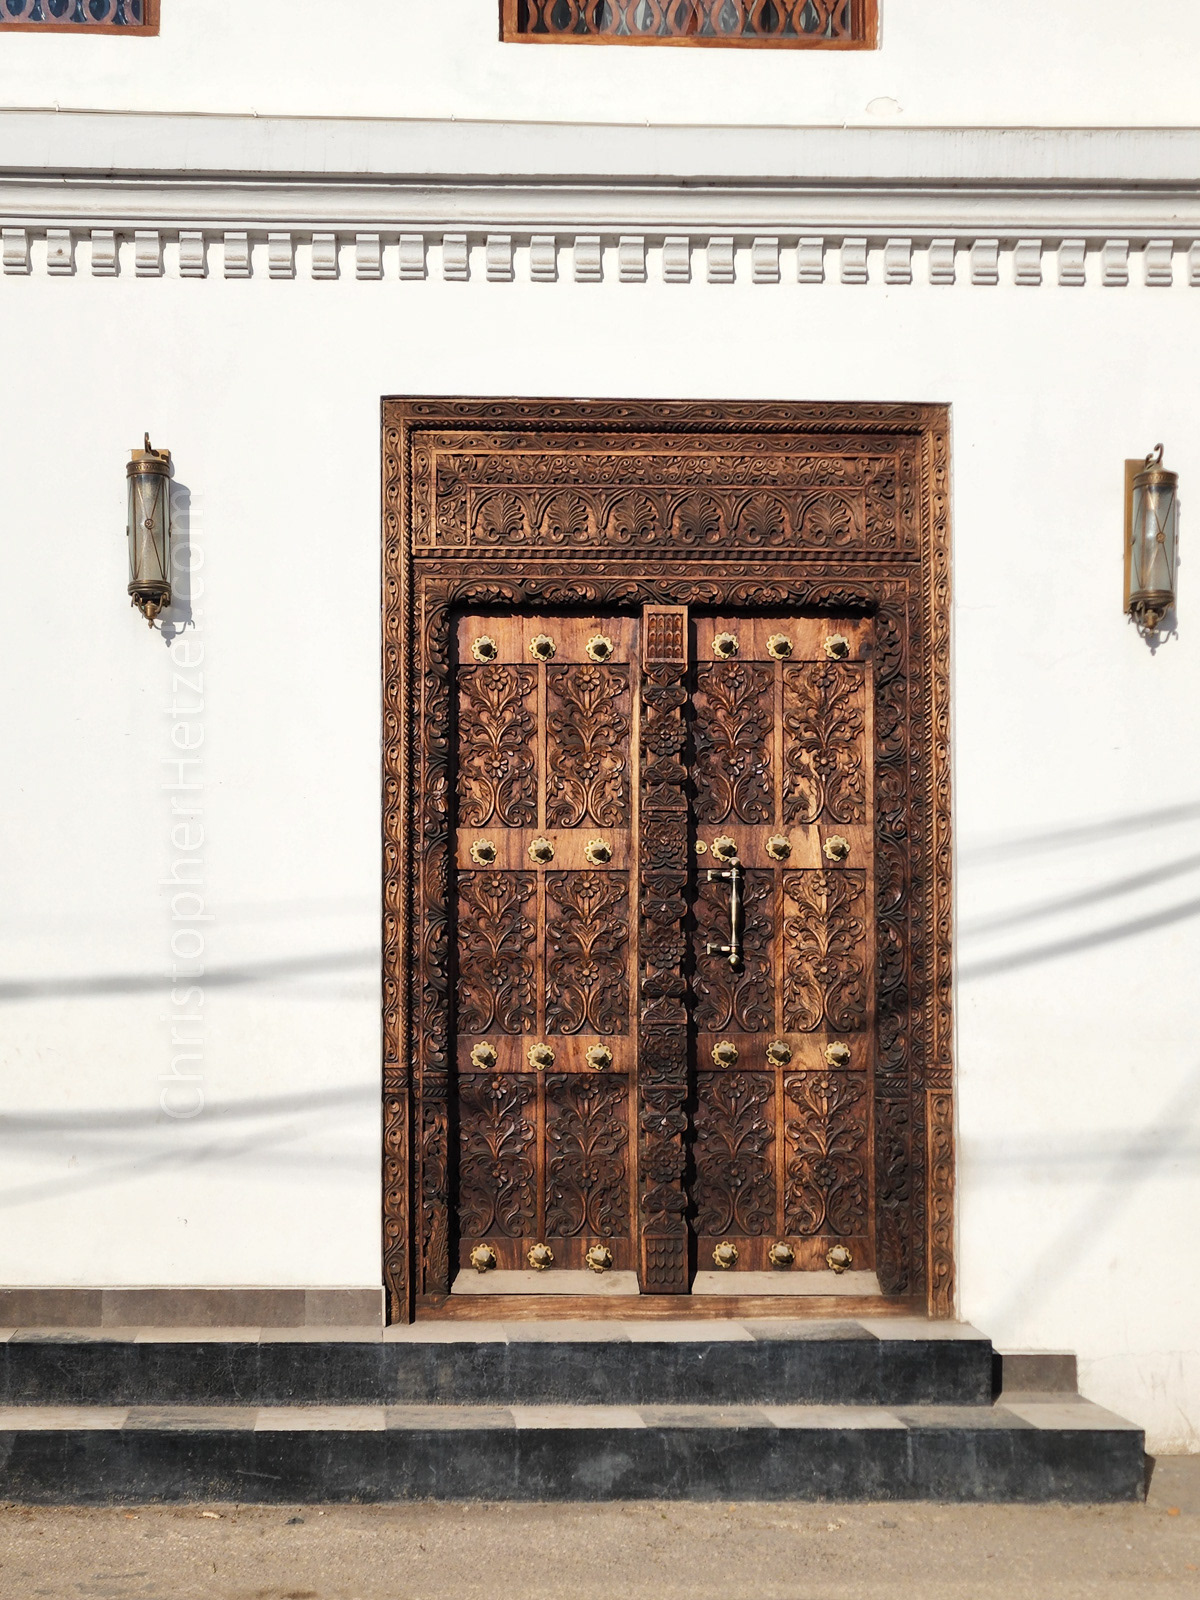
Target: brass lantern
[(148, 530), (1151, 536)]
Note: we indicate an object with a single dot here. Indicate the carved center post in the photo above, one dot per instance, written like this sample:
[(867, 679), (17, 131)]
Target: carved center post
[(662, 1010)]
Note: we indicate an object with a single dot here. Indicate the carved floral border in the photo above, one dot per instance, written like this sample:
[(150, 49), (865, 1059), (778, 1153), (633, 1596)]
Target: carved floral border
[(911, 602)]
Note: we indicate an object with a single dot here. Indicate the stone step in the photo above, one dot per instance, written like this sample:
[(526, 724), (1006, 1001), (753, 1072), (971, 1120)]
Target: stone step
[(608, 1362), (1047, 1449)]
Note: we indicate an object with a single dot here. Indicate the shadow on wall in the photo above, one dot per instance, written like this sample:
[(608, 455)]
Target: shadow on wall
[(1117, 1164), (115, 1146), (972, 931), (125, 1145), (179, 616)]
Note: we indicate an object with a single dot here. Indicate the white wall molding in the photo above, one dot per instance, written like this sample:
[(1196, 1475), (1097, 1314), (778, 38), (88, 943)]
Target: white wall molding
[(63, 249), (158, 146)]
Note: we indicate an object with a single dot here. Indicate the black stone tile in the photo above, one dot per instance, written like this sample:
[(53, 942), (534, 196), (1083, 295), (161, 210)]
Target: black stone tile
[(198, 1373), (695, 1462), (784, 1370), (327, 1374)]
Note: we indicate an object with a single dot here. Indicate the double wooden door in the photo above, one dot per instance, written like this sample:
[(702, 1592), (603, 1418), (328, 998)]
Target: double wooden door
[(578, 966)]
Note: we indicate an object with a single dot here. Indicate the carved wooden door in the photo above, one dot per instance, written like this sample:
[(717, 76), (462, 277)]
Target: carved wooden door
[(781, 1154), (664, 944), (546, 1027)]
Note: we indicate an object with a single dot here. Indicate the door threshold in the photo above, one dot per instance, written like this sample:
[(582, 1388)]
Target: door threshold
[(553, 1284), (790, 1284), (604, 1286), (664, 1307)]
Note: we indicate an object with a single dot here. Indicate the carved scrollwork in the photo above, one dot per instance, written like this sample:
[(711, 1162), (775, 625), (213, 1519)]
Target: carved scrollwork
[(734, 1189), (733, 742), (588, 723), (496, 946), (587, 1138), (497, 762), (587, 941), (497, 1174), (824, 930), (824, 762), (826, 1190)]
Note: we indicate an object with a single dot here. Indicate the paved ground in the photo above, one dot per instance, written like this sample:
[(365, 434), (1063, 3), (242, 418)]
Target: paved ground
[(617, 1552)]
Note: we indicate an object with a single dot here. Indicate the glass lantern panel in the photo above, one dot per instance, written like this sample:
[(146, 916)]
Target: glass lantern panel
[(149, 528), (1154, 522)]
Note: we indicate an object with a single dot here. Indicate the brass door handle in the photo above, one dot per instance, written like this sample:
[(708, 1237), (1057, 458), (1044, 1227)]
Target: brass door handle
[(733, 874)]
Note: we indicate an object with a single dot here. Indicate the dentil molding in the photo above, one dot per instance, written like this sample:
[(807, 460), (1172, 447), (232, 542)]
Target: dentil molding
[(153, 195)]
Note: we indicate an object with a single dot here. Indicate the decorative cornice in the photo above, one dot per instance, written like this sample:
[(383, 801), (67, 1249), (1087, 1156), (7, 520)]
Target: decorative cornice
[(187, 196), (248, 251)]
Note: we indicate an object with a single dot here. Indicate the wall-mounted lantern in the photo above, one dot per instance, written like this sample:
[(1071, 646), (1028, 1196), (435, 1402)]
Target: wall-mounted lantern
[(1151, 530), (149, 530)]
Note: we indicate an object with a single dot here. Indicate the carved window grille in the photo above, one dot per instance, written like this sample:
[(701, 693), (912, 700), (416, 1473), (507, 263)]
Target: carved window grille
[(799, 24), (79, 16)]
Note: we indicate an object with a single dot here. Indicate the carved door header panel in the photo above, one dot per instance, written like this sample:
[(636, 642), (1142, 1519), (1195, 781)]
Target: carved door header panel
[(566, 735)]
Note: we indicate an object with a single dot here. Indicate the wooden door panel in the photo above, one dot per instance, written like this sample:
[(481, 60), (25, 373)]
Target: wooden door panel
[(545, 935), (782, 1134)]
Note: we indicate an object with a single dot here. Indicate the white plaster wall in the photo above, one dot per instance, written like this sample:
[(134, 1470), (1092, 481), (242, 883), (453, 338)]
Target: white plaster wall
[(1077, 766), (969, 62)]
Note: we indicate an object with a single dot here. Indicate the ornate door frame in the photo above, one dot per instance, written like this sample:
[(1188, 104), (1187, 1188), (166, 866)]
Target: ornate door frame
[(632, 504)]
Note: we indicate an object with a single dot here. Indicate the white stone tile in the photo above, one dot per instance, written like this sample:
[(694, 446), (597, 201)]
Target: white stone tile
[(576, 1417), (831, 1417), (49, 1418), (700, 1330), (198, 1335), (316, 1335), (918, 1328), (445, 1333), (567, 1331), (298, 1419), (1060, 1414)]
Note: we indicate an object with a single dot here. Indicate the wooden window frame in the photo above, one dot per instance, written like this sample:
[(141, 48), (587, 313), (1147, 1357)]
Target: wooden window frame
[(868, 11), (148, 27)]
